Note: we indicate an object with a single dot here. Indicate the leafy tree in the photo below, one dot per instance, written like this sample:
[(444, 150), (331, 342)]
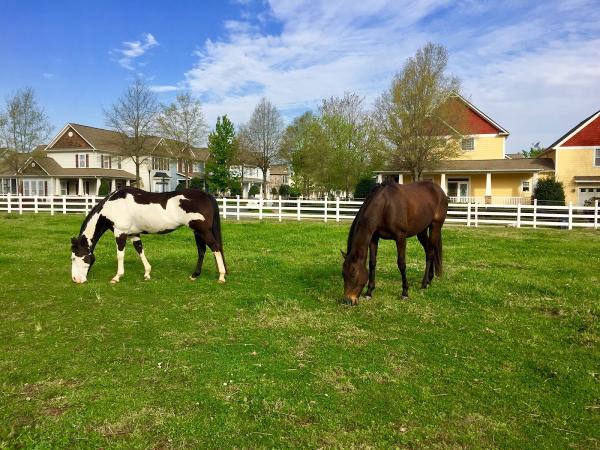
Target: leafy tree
[(235, 188), (284, 190), (104, 188), (417, 116), (262, 136), (221, 148), (23, 124), (550, 191), (196, 183), (182, 124), (254, 190), (363, 187), (133, 117), (534, 151)]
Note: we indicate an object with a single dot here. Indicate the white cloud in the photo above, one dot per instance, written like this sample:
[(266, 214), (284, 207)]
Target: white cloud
[(532, 67), (164, 88), (131, 50), (48, 75)]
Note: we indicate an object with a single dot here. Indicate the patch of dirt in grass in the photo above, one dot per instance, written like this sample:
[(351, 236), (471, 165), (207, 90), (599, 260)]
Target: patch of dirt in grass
[(143, 420), (353, 336), (293, 318), (337, 378), (551, 311)]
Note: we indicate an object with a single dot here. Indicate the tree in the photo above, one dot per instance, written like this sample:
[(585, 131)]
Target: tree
[(262, 136), (104, 188), (419, 116), (254, 190), (23, 125), (363, 187), (550, 191), (133, 116), (242, 157), (534, 151), (221, 147), (183, 126)]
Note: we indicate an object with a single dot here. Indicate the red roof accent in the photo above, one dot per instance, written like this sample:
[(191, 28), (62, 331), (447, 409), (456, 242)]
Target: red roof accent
[(478, 125), (586, 137)]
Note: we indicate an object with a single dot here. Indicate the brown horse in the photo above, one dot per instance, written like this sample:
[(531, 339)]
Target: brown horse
[(394, 211)]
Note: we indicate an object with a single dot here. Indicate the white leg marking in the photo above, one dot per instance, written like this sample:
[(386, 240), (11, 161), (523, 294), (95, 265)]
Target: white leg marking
[(147, 266), (221, 266), (120, 266)]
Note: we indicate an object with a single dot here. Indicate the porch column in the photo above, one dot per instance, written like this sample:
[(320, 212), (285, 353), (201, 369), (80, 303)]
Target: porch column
[(57, 187), (379, 178), (98, 181), (488, 187), (127, 183), (443, 183), (80, 187), (113, 185), (400, 178)]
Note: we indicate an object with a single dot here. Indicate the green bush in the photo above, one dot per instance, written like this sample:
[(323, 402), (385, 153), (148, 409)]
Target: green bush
[(254, 190), (235, 188), (284, 190), (180, 186), (104, 188), (363, 187), (274, 191), (548, 190), (196, 183)]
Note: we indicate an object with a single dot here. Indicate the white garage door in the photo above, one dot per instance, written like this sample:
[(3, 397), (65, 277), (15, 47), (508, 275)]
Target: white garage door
[(587, 193)]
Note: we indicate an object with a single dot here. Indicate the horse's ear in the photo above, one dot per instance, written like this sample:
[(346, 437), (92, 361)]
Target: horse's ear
[(344, 254)]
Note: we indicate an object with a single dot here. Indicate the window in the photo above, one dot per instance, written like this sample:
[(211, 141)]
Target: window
[(119, 160), (160, 163), (8, 186), (64, 187), (468, 144), (106, 162), (597, 158), (35, 187), (81, 160), (525, 186)]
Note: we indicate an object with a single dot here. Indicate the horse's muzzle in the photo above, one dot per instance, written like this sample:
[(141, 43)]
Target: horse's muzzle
[(78, 280)]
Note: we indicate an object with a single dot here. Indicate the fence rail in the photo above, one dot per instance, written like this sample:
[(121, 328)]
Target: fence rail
[(336, 210)]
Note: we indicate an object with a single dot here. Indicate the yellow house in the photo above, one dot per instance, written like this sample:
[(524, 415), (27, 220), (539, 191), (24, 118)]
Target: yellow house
[(576, 157), (483, 172)]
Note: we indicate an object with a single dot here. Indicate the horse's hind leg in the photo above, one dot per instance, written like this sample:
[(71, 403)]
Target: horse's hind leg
[(208, 237), (401, 248), (137, 244), (372, 265), (201, 251), (121, 239), (425, 242)]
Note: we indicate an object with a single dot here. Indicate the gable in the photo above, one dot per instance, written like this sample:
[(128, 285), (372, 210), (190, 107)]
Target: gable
[(588, 136), (468, 119), (33, 168), (70, 139), (475, 124)]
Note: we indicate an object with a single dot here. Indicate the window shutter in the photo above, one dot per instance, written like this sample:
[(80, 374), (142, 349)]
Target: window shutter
[(87, 160), (109, 162), (77, 161)]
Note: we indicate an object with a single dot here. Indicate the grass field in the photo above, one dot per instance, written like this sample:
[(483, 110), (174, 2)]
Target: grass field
[(502, 352)]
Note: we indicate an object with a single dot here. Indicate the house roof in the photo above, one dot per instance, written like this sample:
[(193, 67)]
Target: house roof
[(279, 169), (519, 155), (577, 135), (489, 165), (53, 169), (479, 122)]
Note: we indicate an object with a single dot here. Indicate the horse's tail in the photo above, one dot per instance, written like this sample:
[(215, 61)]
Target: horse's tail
[(437, 256), (216, 227)]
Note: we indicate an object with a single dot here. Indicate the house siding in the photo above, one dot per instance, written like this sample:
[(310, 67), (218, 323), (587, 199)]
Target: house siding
[(574, 162), (491, 147)]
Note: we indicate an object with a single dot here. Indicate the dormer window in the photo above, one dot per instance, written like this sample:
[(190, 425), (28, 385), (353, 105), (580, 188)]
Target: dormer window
[(467, 144), (82, 160)]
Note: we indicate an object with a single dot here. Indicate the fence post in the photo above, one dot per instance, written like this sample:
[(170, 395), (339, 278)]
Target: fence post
[(595, 214), (518, 215), (64, 204), (9, 206), (224, 208), (52, 205), (86, 204), (535, 213), (20, 203), (35, 204), (279, 208), (260, 208), (469, 213), (298, 201), (237, 207), (476, 215), (337, 209), (325, 210), (570, 215)]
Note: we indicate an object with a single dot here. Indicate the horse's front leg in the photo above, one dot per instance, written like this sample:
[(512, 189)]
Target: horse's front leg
[(201, 245), (427, 276), (121, 239), (401, 248), (373, 245), (137, 244)]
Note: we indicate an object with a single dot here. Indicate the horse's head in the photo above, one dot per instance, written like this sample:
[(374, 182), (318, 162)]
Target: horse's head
[(355, 277), (82, 259)]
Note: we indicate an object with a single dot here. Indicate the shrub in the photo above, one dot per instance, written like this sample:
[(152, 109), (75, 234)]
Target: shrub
[(196, 183), (284, 190), (254, 190), (104, 188), (550, 191), (274, 190), (235, 188), (294, 192), (180, 186), (363, 187)]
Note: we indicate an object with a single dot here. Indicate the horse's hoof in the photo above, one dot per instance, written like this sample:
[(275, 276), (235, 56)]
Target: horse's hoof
[(114, 281), (221, 281), (146, 277), (192, 278), (368, 297), (404, 297)]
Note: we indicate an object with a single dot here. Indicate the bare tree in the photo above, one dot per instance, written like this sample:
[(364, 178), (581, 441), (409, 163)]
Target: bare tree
[(418, 116), (262, 136), (133, 116), (23, 125), (182, 124)]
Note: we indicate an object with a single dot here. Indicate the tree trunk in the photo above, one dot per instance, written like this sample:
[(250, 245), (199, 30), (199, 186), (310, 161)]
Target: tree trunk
[(265, 182), (137, 173), (187, 173)]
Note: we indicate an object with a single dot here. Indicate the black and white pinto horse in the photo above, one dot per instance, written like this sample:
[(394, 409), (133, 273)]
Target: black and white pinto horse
[(129, 212)]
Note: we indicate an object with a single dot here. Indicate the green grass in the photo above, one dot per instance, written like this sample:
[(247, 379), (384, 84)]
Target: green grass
[(502, 352)]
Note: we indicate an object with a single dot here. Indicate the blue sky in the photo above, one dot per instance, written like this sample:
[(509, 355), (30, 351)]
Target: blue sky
[(534, 67)]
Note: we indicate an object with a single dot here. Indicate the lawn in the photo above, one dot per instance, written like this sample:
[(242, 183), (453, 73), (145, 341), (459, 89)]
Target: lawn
[(502, 352)]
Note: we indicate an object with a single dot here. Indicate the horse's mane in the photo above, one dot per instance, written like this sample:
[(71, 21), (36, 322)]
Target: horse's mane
[(370, 196)]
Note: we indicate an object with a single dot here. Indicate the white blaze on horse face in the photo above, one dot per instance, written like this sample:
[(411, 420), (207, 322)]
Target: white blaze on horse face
[(79, 269), (221, 266)]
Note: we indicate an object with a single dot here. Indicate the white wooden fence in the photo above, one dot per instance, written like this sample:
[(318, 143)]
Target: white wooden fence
[(336, 210)]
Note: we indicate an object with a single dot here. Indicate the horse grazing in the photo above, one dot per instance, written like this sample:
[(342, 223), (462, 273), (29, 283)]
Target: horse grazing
[(129, 212), (394, 211)]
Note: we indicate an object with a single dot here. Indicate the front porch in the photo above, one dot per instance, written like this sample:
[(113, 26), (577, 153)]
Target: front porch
[(85, 186)]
